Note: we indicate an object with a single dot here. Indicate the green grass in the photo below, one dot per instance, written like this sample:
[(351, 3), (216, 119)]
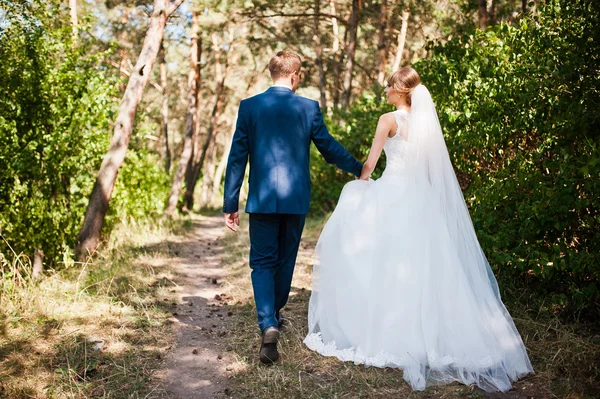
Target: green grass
[(49, 327), (565, 355)]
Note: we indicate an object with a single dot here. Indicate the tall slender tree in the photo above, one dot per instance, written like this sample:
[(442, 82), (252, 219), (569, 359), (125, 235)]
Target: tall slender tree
[(319, 54), (74, 19), (209, 149), (192, 166), (220, 171), (166, 151), (191, 131), (195, 167), (382, 47), (89, 235), (337, 56), (491, 12), (482, 13), (401, 40), (352, 33), (208, 173)]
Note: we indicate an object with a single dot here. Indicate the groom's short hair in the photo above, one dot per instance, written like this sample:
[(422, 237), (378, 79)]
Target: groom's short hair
[(284, 63)]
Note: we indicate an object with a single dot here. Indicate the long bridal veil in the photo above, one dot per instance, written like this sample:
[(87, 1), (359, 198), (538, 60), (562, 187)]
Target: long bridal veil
[(400, 279), (432, 163)]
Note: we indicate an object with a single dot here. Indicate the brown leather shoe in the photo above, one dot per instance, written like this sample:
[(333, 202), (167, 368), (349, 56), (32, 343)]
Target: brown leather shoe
[(268, 347)]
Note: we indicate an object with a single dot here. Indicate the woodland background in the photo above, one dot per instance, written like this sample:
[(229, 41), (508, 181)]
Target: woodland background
[(118, 111), (115, 123)]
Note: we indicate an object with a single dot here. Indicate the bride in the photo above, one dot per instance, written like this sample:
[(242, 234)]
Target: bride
[(400, 279)]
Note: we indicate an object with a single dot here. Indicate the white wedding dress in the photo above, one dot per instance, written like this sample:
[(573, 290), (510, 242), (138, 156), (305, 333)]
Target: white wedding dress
[(400, 279)]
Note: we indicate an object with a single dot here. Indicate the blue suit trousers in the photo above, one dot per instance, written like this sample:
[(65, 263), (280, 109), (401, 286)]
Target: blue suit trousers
[(274, 242)]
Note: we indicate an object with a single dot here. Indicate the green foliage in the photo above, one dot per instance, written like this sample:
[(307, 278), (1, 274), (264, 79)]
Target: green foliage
[(520, 109), (55, 105), (57, 102), (141, 188)]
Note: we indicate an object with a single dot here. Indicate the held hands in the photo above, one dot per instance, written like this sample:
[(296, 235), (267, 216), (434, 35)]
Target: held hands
[(231, 220), (366, 172)]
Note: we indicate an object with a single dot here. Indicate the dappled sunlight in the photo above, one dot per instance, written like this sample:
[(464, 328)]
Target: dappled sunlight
[(123, 122), (91, 326)]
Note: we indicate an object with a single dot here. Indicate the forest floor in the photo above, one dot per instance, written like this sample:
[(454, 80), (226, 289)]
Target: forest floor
[(100, 329), (167, 312)]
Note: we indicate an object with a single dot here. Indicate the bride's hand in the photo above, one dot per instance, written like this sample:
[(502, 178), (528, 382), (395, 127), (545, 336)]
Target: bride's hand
[(366, 172)]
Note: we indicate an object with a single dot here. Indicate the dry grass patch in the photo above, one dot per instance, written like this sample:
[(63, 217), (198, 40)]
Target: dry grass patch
[(565, 356), (98, 329)]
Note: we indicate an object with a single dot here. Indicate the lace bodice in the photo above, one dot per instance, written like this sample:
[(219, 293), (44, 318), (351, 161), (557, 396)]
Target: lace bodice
[(397, 149)]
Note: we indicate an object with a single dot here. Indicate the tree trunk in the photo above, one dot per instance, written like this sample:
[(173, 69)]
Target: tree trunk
[(190, 171), (38, 265), (208, 147), (350, 51), (483, 15), (89, 235), (208, 175), (164, 110), (381, 46), (337, 58), (191, 131), (401, 40), (222, 164), (74, 20), (219, 175), (220, 76), (524, 5), (319, 52), (491, 12)]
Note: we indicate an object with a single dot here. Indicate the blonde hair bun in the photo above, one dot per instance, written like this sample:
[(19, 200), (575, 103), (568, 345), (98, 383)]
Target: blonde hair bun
[(404, 81)]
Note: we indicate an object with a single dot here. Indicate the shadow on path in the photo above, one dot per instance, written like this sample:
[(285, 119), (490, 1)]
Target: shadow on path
[(198, 363)]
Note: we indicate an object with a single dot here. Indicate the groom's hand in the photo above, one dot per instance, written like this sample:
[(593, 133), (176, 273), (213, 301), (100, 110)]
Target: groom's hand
[(231, 220)]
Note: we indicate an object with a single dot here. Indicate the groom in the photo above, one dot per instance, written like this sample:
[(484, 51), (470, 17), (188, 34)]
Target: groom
[(275, 129)]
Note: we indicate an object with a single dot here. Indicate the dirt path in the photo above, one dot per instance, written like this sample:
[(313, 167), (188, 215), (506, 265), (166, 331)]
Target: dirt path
[(198, 364)]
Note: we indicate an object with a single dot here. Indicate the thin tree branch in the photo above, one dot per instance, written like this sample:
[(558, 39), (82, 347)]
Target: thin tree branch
[(281, 39), (128, 74), (173, 7), (300, 52), (311, 15), (369, 74)]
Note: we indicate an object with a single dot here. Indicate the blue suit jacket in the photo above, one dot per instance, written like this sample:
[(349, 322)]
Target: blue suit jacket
[(275, 129)]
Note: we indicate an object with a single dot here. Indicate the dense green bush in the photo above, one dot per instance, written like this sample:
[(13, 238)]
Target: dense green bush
[(57, 102), (141, 188), (520, 108), (521, 111)]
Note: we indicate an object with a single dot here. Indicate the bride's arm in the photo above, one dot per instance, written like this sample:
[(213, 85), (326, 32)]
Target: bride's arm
[(384, 127)]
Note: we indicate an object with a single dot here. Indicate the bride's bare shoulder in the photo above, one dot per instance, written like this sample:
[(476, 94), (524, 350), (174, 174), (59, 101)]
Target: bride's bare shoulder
[(388, 118), (387, 122)]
